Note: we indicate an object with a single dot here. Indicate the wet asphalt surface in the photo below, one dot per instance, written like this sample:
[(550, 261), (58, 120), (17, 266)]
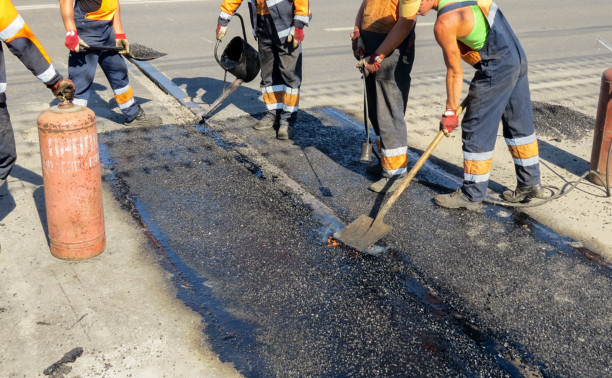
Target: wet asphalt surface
[(453, 293)]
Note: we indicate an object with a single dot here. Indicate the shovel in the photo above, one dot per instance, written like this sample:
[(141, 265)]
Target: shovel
[(365, 231), (137, 51)]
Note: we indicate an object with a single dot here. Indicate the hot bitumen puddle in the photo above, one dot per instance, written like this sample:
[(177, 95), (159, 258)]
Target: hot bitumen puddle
[(454, 293)]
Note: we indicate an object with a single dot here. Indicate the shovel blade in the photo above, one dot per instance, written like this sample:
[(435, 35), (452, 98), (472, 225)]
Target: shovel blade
[(363, 233)]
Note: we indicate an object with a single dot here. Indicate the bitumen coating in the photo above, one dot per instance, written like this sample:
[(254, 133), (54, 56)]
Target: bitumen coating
[(492, 293)]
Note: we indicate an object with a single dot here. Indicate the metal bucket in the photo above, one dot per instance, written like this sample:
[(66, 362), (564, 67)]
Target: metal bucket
[(239, 58)]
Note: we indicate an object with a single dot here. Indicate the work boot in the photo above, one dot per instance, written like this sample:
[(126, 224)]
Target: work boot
[(456, 200), (267, 122), (143, 119), (374, 168), (522, 193), (285, 131), (387, 185)]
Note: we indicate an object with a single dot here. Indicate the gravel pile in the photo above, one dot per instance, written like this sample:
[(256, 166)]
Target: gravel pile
[(560, 122)]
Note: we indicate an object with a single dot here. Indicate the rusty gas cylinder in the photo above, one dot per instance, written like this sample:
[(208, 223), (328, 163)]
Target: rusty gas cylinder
[(72, 181), (603, 131)]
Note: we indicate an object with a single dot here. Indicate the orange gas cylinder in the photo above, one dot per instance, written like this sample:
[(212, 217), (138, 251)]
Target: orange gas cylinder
[(603, 131), (72, 180)]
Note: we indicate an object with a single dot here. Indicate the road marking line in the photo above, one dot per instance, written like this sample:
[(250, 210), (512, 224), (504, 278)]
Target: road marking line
[(350, 28), (48, 6)]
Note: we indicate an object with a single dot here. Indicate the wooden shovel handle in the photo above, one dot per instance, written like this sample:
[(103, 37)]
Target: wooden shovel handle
[(417, 166)]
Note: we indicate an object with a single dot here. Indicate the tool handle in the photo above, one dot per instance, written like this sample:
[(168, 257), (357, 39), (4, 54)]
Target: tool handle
[(104, 48), (365, 106), (223, 96), (417, 166)]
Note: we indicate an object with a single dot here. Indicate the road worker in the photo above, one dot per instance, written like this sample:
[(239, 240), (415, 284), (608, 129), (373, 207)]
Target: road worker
[(98, 23), (278, 26), (22, 42), (383, 42), (478, 32)]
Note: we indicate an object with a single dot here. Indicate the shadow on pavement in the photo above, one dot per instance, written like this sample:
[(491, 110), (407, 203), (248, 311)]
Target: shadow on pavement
[(244, 98)]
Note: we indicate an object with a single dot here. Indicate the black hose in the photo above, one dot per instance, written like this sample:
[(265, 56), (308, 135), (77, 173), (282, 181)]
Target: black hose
[(561, 194)]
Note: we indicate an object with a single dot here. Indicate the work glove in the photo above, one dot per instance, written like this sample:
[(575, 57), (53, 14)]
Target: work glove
[(357, 44), (121, 41), (371, 65), (221, 30), (63, 89), (73, 42), (296, 36), (449, 121)]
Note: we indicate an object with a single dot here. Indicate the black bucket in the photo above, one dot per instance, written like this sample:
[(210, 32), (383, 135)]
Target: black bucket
[(239, 58)]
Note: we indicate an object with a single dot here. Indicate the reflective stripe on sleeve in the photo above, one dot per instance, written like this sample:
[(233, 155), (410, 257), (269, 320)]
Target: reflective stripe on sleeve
[(304, 19), (13, 28), (46, 76), (2, 87), (284, 33), (225, 16)]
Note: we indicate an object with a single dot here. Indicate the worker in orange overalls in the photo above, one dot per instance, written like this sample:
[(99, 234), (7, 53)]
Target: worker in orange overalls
[(20, 40), (383, 42), (278, 26)]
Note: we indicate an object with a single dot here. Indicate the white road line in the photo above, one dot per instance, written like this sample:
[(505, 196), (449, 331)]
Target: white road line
[(47, 6), (350, 28)]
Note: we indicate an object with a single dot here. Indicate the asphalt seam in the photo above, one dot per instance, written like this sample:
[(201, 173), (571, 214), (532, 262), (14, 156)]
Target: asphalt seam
[(321, 211)]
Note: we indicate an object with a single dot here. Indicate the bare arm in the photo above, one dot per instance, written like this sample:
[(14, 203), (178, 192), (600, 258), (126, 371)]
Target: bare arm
[(67, 12), (117, 27), (359, 16), (445, 32)]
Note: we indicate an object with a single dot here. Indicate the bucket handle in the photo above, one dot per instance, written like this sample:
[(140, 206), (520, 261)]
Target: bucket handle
[(219, 41)]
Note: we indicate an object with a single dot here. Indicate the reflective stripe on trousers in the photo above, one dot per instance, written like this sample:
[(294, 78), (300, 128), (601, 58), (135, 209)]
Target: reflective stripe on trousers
[(281, 72), (387, 93), (499, 90)]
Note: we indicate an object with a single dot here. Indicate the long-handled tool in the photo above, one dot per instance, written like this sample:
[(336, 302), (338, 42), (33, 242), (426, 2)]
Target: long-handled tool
[(137, 51), (365, 231), (366, 147)]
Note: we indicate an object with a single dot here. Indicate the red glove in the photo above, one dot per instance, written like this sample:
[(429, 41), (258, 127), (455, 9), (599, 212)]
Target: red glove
[(221, 31), (295, 37), (72, 40), (357, 44), (298, 34), (449, 122)]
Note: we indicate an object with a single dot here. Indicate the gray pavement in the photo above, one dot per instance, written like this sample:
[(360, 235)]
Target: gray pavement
[(119, 307)]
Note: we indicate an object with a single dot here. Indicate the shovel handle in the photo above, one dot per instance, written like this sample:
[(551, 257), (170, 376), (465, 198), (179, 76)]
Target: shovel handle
[(104, 48), (417, 166)]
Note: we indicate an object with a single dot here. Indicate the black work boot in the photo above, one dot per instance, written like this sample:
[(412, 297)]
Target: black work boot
[(143, 119), (285, 131), (456, 200), (267, 122), (374, 168), (522, 193)]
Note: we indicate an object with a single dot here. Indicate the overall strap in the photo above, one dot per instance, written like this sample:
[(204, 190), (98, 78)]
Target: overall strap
[(453, 6)]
